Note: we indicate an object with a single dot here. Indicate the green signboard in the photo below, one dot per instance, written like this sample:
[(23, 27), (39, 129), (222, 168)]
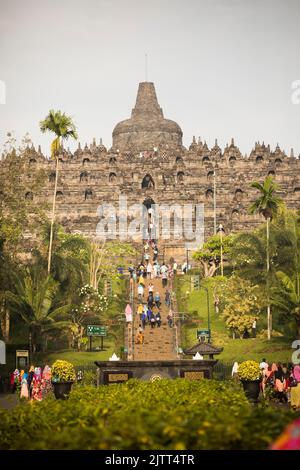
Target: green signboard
[(195, 282), (202, 333), (96, 330)]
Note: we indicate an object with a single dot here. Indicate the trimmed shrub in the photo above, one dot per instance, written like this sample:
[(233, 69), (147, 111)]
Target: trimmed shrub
[(166, 414)]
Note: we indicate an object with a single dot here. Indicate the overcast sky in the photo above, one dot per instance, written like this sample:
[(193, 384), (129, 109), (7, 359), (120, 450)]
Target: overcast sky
[(222, 68)]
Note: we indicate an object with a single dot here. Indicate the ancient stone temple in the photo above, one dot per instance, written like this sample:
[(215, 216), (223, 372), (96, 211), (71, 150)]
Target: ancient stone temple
[(149, 164)]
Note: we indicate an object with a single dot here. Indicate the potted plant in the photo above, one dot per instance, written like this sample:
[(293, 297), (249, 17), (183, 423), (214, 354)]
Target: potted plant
[(63, 377), (250, 376)]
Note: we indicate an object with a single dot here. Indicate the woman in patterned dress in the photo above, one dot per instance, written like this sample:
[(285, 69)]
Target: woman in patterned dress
[(37, 384), (46, 381)]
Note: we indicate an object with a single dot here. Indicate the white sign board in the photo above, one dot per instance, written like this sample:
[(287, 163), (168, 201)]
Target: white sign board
[(2, 352)]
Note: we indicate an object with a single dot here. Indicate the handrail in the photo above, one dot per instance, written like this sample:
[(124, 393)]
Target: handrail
[(175, 317), (130, 325)]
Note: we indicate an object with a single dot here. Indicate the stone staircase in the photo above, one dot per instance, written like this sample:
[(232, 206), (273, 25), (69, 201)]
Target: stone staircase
[(159, 343)]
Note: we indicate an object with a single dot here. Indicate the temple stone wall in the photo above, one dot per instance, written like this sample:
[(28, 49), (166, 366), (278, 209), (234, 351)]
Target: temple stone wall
[(142, 165)]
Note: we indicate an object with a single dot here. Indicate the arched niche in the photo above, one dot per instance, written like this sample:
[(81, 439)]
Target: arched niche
[(88, 194), (59, 195), (52, 177), (29, 196), (148, 182), (179, 160), (32, 161), (232, 160), (238, 194), (271, 173), (84, 177), (205, 160), (148, 202), (278, 162), (235, 214), (180, 177), (210, 176), (259, 159), (112, 177), (85, 161), (112, 161), (209, 194)]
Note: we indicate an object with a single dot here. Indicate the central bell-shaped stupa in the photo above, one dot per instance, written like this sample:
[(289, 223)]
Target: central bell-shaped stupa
[(147, 128)]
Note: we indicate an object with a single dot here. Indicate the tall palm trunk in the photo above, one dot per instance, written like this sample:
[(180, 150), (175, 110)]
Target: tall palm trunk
[(53, 216), (269, 313), (7, 325), (30, 345)]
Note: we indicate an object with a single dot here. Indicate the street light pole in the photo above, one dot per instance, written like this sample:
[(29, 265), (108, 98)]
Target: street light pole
[(208, 313), (221, 241), (221, 230), (187, 260), (215, 204)]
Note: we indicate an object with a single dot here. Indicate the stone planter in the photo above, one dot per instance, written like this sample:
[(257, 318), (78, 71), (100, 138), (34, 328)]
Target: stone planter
[(62, 389), (251, 389)]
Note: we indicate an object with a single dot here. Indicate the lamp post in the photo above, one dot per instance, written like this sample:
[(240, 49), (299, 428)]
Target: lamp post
[(215, 203), (187, 259), (208, 313), (221, 231)]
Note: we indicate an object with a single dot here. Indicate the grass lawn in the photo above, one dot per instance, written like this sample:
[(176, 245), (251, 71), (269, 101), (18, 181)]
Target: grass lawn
[(79, 358), (278, 349)]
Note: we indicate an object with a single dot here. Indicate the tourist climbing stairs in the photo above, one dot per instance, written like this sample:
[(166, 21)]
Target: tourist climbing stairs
[(158, 341)]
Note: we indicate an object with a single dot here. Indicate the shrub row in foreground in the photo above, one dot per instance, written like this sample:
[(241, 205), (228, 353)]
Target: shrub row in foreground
[(140, 415)]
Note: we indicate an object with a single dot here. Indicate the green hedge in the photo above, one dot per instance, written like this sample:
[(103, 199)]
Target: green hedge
[(164, 414)]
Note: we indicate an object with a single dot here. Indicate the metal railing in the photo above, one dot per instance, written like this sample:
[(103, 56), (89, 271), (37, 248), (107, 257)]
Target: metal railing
[(130, 325)]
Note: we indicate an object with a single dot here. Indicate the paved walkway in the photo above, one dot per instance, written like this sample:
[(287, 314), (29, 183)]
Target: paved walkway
[(9, 401), (159, 342)]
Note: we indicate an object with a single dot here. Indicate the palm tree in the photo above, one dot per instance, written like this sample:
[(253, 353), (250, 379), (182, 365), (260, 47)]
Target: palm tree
[(248, 256), (267, 205), (63, 127), (33, 299), (286, 297), (69, 264)]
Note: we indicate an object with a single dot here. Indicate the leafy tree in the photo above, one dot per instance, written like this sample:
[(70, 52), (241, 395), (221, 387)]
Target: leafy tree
[(248, 255), (105, 258), (266, 204), (209, 255), (286, 298), (69, 264), (242, 304), (34, 300), (286, 228), (63, 127), (19, 214), (91, 309)]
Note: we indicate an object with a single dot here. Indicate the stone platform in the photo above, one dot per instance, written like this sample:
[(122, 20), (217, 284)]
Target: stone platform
[(110, 372)]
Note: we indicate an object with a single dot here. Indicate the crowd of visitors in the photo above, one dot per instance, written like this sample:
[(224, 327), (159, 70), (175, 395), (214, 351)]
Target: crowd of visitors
[(150, 301), (280, 382), (34, 384)]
